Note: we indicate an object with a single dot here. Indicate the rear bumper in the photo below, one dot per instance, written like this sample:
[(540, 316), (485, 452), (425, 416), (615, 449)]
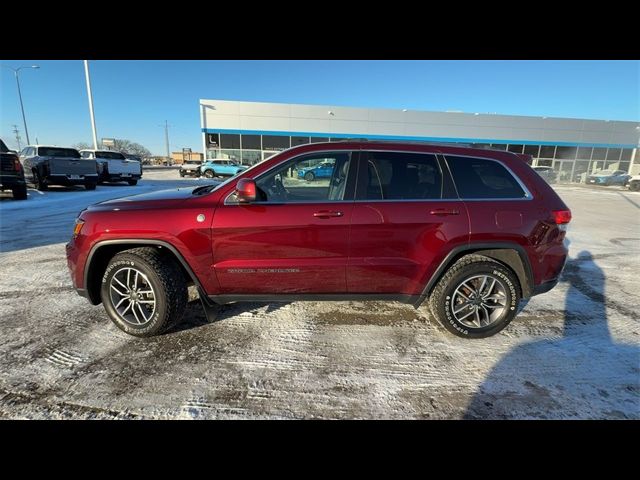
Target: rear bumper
[(67, 180), (544, 287), (11, 181), (118, 177)]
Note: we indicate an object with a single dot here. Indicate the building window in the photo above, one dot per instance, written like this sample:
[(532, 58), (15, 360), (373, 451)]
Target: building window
[(275, 142), (626, 154), (532, 150), (229, 140), (251, 142), (251, 157), (515, 148), (584, 153), (566, 153), (547, 151), (299, 141), (499, 146), (319, 139), (613, 153), (230, 154), (599, 153)]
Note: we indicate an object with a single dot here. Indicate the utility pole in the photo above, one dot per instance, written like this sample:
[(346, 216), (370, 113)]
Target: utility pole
[(17, 133), (24, 119), (166, 139), (93, 120)]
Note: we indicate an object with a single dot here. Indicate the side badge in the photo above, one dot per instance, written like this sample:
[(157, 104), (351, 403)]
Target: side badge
[(200, 218)]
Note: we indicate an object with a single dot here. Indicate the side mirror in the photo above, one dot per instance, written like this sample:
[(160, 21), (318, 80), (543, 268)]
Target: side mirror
[(246, 190)]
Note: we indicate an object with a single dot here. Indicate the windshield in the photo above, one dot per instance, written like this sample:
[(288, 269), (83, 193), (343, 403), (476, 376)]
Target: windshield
[(110, 155), (58, 152)]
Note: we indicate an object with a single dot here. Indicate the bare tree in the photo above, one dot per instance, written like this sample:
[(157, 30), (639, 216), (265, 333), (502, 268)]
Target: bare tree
[(124, 146)]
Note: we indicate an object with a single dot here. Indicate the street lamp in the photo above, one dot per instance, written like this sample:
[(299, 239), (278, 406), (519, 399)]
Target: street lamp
[(24, 120)]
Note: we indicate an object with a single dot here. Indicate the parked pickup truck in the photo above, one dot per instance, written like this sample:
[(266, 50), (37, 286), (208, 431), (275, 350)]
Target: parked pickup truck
[(12, 173), (114, 166), (49, 165)]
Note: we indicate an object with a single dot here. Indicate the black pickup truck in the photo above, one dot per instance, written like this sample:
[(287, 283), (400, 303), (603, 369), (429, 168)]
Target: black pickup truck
[(12, 173)]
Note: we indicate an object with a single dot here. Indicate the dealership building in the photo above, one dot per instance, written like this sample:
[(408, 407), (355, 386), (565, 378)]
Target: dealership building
[(249, 132)]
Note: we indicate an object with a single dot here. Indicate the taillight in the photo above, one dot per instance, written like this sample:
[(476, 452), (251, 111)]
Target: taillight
[(561, 216), (17, 166)]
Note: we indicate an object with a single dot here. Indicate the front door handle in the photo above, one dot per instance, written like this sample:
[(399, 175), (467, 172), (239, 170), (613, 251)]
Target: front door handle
[(441, 212), (327, 214)]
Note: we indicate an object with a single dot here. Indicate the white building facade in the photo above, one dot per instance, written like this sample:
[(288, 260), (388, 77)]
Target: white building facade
[(249, 132)]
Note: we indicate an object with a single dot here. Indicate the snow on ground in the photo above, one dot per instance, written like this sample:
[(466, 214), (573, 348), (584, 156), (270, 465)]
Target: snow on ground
[(571, 353)]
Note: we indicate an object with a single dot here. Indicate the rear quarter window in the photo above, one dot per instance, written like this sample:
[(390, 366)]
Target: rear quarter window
[(483, 178)]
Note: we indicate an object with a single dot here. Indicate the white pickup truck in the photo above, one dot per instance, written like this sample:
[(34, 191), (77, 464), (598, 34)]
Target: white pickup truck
[(114, 166)]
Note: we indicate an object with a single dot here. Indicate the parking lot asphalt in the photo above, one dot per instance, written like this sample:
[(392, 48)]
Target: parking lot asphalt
[(571, 353)]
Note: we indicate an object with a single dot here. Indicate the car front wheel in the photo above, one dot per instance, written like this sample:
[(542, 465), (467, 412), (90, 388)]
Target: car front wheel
[(209, 173), (143, 291), (476, 298), (309, 176)]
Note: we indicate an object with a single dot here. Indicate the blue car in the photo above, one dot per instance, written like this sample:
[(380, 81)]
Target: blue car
[(323, 170), (608, 177), (221, 168)]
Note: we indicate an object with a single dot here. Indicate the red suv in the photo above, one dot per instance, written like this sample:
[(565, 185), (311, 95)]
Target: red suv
[(469, 231)]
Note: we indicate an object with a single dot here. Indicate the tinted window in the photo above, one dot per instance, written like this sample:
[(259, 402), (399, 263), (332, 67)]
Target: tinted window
[(402, 176), (110, 155), (229, 140), (275, 142), (299, 141), (251, 142), (3, 147), (566, 153), (531, 150), (599, 153), (313, 177), (547, 151), (481, 178), (626, 154), (58, 152), (584, 153), (515, 148), (614, 153)]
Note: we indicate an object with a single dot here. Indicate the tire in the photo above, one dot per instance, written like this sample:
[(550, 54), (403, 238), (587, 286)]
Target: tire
[(132, 182), (90, 186), (472, 269), (39, 183), (209, 173), (158, 274), (309, 176), (181, 173), (634, 186), (20, 192)]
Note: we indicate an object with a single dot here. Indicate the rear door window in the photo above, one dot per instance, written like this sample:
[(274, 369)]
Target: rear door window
[(480, 178), (401, 176)]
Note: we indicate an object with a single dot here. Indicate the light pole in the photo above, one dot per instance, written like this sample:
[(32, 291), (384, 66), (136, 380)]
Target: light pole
[(93, 119), (24, 120)]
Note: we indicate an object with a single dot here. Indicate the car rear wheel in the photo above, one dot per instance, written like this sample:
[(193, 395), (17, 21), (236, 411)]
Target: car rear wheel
[(309, 176), (181, 173), (476, 298), (19, 193), (90, 186), (209, 173), (143, 291), (40, 183), (132, 182)]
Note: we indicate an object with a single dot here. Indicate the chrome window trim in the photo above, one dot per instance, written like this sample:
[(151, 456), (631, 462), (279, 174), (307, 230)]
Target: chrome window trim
[(333, 150), (527, 193)]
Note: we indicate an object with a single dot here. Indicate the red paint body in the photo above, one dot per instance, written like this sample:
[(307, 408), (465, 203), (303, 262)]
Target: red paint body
[(328, 247)]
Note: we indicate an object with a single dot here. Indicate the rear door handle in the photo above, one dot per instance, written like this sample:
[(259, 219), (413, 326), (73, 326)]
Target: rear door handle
[(327, 214), (441, 212)]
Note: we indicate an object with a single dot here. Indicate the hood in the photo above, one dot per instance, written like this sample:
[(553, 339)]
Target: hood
[(159, 199)]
